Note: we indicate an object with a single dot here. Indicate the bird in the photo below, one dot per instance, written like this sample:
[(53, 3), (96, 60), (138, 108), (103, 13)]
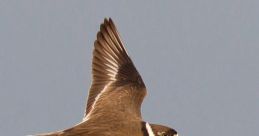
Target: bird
[(113, 107)]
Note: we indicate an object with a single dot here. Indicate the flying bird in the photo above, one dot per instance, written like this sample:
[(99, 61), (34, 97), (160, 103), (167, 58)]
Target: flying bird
[(114, 101)]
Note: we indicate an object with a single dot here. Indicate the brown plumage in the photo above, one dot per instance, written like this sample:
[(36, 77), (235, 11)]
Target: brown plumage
[(116, 94)]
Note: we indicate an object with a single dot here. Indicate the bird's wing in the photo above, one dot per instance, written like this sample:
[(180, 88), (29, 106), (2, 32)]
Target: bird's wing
[(115, 80)]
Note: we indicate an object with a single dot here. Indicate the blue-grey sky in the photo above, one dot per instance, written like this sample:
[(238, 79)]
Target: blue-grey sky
[(199, 60)]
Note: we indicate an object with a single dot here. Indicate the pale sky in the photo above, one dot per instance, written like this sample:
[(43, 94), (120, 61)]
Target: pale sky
[(199, 60)]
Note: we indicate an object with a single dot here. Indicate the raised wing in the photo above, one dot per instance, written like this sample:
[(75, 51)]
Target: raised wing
[(115, 80)]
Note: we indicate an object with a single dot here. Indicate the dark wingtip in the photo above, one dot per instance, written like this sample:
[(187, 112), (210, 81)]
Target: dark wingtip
[(106, 19), (111, 22)]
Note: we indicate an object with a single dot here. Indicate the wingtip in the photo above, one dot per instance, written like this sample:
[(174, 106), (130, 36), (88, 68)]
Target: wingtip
[(108, 19), (111, 22)]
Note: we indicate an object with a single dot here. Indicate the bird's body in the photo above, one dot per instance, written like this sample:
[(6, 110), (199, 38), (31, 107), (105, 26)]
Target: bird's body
[(116, 94)]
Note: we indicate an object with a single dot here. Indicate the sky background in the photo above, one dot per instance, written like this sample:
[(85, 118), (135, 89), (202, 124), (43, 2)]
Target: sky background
[(199, 60)]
